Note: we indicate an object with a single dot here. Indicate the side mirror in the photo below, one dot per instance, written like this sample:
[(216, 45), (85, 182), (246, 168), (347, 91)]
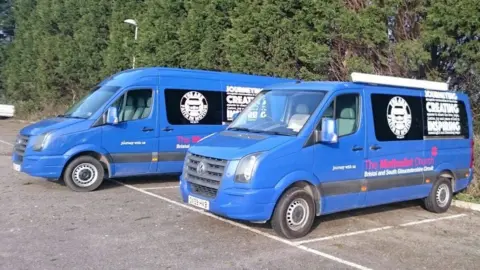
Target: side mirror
[(328, 134), (234, 116), (112, 116)]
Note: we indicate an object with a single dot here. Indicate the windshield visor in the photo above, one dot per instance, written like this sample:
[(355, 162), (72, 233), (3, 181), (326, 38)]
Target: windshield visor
[(92, 102), (279, 112)]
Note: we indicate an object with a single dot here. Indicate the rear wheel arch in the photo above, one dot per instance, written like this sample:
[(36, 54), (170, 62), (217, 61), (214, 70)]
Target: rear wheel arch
[(441, 194), (448, 174)]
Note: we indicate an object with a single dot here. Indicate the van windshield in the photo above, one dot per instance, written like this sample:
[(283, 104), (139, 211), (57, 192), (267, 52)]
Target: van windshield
[(90, 103), (279, 112)]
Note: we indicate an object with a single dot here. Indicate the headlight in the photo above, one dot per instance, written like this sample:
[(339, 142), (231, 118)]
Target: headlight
[(246, 168), (185, 164), (41, 142)]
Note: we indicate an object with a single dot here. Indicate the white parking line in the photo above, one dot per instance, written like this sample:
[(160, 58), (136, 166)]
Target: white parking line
[(7, 143), (342, 235), (156, 188), (431, 220), (278, 239), (376, 229)]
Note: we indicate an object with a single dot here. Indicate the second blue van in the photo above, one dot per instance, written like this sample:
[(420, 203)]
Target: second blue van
[(302, 150), (136, 122)]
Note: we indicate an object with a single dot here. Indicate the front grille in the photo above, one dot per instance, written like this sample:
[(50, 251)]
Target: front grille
[(20, 146), (207, 181), (204, 191)]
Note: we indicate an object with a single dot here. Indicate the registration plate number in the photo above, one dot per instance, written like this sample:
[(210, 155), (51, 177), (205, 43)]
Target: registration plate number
[(16, 167), (204, 204)]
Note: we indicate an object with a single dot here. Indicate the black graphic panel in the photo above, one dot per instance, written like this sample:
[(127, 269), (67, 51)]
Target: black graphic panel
[(444, 115), (397, 117), (187, 107)]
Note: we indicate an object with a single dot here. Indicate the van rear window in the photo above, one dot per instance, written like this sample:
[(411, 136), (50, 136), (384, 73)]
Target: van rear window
[(403, 117), (444, 115)]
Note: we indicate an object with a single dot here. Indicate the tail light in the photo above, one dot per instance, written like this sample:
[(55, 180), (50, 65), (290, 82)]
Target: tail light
[(472, 154)]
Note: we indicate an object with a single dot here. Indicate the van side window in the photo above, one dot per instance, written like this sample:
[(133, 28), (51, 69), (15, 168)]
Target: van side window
[(397, 117), (134, 105), (445, 118), (347, 112), (190, 106)]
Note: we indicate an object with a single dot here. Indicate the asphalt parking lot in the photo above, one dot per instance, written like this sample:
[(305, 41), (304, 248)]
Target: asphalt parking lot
[(141, 223)]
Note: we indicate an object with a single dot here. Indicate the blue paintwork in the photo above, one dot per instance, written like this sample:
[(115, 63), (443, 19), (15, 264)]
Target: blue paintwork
[(70, 137), (285, 160)]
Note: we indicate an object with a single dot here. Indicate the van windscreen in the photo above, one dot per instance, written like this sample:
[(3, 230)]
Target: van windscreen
[(280, 112), (91, 102)]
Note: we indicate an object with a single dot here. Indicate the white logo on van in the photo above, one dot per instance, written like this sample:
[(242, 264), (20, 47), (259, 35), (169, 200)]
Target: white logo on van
[(399, 116), (194, 106)]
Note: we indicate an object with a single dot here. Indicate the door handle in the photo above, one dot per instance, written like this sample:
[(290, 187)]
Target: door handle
[(147, 129), (357, 148), (167, 129), (375, 147)]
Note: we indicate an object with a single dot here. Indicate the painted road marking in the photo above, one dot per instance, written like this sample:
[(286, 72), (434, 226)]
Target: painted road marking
[(273, 237), (342, 235), (159, 188), (431, 220), (376, 229), (7, 143)]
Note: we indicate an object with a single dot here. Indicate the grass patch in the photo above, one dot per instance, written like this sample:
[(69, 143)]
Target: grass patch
[(467, 198), (472, 194)]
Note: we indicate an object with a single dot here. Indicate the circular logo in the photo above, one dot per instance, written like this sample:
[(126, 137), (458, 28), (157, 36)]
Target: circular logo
[(201, 168), (194, 106), (399, 116)]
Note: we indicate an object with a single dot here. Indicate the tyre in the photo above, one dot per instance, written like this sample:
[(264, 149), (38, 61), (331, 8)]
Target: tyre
[(440, 197), (294, 213), (84, 174)]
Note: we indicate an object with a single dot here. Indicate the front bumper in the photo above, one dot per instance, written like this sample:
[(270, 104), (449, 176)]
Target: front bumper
[(234, 203), (49, 167)]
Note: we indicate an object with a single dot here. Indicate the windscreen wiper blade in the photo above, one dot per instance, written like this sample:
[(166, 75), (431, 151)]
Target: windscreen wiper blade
[(275, 133), (69, 116), (240, 129)]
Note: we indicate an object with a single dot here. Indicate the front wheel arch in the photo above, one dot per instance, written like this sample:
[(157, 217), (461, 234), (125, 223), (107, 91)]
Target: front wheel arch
[(101, 158), (311, 189), (84, 173)]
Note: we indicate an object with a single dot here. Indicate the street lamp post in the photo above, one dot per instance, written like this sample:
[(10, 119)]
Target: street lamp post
[(134, 23)]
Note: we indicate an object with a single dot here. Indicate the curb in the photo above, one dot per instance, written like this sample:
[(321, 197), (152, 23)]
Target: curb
[(466, 205)]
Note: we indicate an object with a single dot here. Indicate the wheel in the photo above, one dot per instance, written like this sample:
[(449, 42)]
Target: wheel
[(84, 174), (440, 197), (294, 213)]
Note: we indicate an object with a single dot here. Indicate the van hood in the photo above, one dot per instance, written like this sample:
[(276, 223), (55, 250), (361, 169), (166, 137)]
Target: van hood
[(50, 124), (232, 145)]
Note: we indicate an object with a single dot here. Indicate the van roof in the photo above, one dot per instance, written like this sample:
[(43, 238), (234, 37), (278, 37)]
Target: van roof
[(313, 86), (331, 86), (132, 74)]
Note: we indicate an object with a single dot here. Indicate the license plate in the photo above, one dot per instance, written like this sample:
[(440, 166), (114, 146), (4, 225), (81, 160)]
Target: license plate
[(16, 167), (204, 204)]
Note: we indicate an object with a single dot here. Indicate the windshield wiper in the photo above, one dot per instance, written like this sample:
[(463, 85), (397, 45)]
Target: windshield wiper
[(275, 133), (240, 129), (69, 116)]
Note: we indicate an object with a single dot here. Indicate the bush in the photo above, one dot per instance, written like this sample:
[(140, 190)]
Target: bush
[(472, 194)]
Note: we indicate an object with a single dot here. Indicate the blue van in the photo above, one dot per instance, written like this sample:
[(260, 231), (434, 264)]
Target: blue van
[(136, 122), (301, 150)]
